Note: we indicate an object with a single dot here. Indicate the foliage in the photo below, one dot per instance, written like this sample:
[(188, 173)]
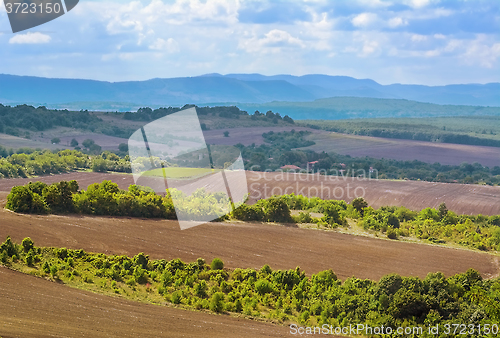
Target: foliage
[(217, 264), (278, 295)]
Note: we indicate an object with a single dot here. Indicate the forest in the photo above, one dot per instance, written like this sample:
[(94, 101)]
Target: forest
[(280, 296)]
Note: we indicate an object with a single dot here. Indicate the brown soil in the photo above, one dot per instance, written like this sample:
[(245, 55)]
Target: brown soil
[(245, 245), (405, 150), (34, 307), (38, 308), (461, 198)]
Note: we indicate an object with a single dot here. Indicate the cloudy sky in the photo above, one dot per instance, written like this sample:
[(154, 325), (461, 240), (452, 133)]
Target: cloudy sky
[(430, 42)]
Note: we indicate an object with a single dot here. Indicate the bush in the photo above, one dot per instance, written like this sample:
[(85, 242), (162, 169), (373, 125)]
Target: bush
[(27, 244), (392, 234), (263, 286), (277, 210), (217, 302), (248, 213), (217, 264)]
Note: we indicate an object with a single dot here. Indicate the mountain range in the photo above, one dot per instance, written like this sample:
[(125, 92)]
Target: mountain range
[(230, 88)]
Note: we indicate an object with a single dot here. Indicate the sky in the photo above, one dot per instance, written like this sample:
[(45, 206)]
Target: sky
[(431, 42)]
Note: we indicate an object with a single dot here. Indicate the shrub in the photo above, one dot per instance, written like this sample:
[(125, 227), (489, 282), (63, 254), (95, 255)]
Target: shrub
[(263, 286), (392, 234), (217, 302), (27, 244), (217, 264), (277, 210)]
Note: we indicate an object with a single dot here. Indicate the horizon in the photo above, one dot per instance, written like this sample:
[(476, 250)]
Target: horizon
[(421, 42), (234, 74)]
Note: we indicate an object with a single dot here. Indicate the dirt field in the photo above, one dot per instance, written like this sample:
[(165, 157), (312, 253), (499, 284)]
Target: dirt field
[(247, 136), (33, 307), (9, 141), (244, 245), (416, 195), (407, 150)]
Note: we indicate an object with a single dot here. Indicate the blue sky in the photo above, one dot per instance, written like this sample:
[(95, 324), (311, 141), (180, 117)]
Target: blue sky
[(429, 42)]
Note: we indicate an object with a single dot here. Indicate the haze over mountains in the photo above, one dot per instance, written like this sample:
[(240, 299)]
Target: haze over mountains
[(231, 88)]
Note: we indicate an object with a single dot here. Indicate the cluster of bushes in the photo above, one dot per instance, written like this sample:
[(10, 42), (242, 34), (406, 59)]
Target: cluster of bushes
[(28, 162), (269, 115), (277, 295), (99, 199), (42, 163), (288, 140), (435, 225)]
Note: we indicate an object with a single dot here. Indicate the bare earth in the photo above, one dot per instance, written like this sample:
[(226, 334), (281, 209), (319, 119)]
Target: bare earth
[(405, 150), (34, 307), (416, 195), (38, 308)]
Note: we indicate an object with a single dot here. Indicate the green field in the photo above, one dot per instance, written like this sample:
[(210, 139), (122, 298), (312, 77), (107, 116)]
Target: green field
[(472, 130), (180, 172)]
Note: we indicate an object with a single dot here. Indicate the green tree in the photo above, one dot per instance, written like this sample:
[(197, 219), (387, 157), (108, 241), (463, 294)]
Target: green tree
[(27, 244), (88, 143), (55, 140), (277, 210), (359, 204), (217, 264), (443, 210), (123, 147), (74, 143), (226, 134)]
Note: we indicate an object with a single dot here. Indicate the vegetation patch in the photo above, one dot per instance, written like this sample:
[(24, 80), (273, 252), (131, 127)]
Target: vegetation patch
[(284, 296)]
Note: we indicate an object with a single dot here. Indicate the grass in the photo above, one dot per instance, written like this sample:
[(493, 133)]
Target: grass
[(180, 172)]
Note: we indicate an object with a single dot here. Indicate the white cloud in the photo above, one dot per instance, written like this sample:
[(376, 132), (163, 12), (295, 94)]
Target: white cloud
[(272, 41), (418, 38), (397, 22), (418, 3), (169, 45), (364, 19), (30, 38)]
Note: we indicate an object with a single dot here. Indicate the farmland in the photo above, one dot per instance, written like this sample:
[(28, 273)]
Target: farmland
[(405, 150), (57, 310), (415, 195)]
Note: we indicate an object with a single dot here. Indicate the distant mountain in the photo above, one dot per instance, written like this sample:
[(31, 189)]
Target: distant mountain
[(337, 108), (231, 88)]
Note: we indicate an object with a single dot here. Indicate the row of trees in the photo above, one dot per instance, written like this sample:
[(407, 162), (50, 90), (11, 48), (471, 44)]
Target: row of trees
[(230, 112), (28, 162), (279, 295)]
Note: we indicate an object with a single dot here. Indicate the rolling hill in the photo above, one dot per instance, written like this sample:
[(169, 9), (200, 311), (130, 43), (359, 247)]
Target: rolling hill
[(222, 89)]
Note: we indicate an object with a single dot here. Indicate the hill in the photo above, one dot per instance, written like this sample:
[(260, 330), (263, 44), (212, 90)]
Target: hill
[(215, 88), (337, 108)]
